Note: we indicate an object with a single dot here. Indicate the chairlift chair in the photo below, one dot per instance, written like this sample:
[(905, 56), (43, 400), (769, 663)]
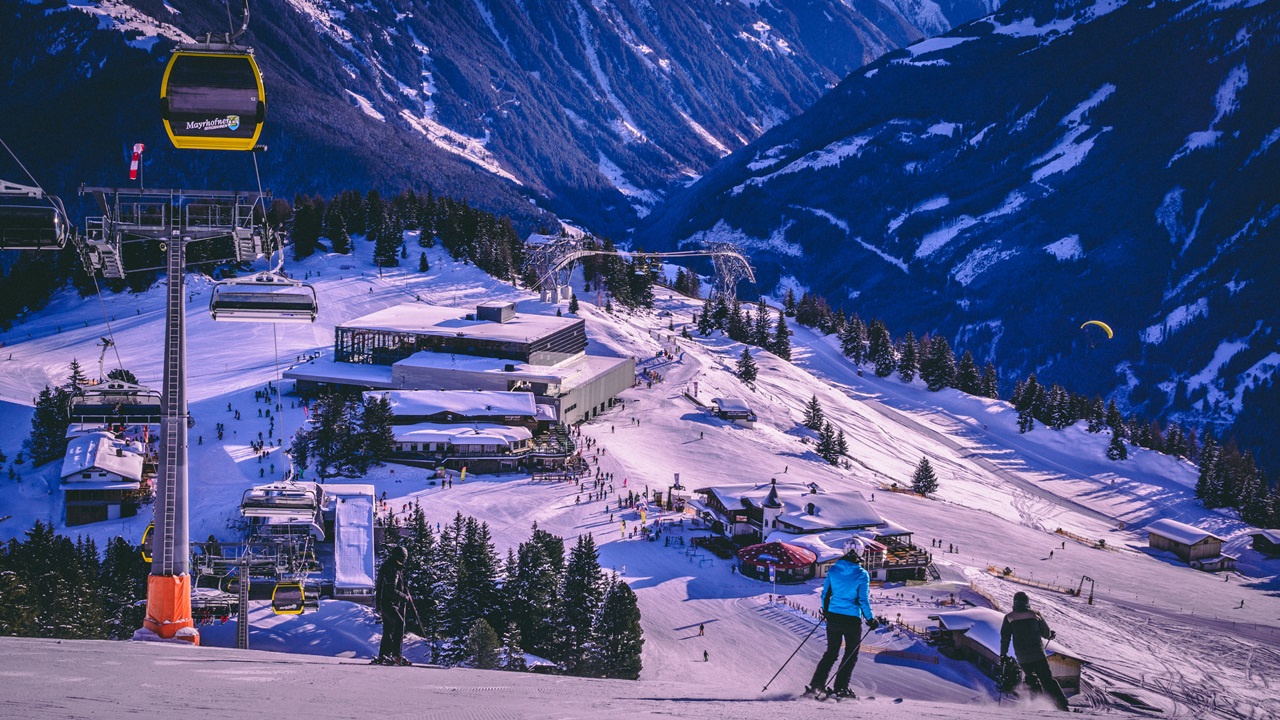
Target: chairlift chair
[(116, 401), (211, 96), (263, 297), (281, 499), (288, 598)]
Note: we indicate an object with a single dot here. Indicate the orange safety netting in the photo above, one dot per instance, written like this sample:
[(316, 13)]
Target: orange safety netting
[(169, 607)]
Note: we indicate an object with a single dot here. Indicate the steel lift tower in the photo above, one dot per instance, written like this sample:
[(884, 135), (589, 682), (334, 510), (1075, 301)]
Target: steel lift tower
[(174, 218)]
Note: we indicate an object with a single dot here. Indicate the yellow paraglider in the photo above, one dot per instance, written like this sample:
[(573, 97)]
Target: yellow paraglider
[(1099, 323)]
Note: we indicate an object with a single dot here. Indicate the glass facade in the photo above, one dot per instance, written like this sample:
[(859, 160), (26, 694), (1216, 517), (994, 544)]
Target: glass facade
[(386, 347)]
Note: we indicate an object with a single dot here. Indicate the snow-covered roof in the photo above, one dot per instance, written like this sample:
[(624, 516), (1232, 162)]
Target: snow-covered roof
[(777, 554), (473, 434), (732, 405), (103, 451), (1271, 535), (347, 490), (425, 319), (326, 370), (353, 538), (467, 403), (574, 372), (982, 625), (1180, 532), (827, 546), (832, 511)]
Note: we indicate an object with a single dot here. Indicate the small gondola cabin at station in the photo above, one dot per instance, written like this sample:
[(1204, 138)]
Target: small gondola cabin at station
[(102, 478), (1198, 548)]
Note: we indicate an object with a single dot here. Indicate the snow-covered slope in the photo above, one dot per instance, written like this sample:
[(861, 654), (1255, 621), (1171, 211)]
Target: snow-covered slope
[(1002, 495)]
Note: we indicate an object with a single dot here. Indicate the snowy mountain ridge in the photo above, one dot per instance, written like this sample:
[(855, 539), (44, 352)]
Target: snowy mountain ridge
[(1001, 499), (589, 110)]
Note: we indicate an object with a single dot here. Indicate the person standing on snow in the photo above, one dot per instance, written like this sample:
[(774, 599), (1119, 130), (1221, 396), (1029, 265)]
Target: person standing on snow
[(391, 597), (1028, 631), (845, 602)]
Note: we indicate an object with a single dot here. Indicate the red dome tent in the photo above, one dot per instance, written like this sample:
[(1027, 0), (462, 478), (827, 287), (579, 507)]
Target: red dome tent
[(792, 564)]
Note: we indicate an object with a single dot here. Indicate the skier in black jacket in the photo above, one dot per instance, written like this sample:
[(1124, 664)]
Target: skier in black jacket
[(1028, 631), (392, 599)]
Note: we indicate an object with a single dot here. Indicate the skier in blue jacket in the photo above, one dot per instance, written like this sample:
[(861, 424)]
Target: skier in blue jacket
[(845, 602)]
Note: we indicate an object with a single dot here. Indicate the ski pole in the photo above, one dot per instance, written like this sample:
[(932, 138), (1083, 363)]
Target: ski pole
[(793, 654)]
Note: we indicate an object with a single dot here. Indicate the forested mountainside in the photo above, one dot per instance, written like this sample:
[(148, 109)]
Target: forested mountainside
[(1047, 165)]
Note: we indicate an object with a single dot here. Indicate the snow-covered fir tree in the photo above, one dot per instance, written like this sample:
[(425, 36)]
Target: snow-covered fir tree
[(813, 415), (924, 480), (908, 361), (619, 637), (746, 369), (781, 343)]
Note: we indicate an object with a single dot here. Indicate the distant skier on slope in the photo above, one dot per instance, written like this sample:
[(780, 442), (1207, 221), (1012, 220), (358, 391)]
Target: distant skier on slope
[(1028, 631), (845, 602), (392, 598)]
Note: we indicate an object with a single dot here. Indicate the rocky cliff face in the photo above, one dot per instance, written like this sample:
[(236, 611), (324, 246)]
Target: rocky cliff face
[(1046, 165)]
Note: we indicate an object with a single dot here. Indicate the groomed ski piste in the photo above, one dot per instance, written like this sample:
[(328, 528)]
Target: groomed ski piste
[(1170, 637)]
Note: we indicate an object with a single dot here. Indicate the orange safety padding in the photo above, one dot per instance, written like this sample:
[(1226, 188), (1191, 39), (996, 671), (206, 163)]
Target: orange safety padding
[(169, 607)]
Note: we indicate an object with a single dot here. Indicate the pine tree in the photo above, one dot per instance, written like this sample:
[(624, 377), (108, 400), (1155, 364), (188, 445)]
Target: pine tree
[(924, 481), (789, 303), (939, 369), (619, 635), (482, 646), (853, 341), (908, 362), (706, 319), (738, 331), (720, 313), (419, 573), (122, 375), (1209, 483), (124, 586), (827, 444), (813, 415), (534, 592), (512, 651), (49, 423), (1026, 403), (760, 332), (990, 382), (76, 378), (573, 304), (842, 445), (335, 228), (477, 579), (1097, 415), (781, 345), (377, 440), (747, 371), (1114, 419), (583, 596), (1116, 449), (423, 265), (880, 350), (967, 379)]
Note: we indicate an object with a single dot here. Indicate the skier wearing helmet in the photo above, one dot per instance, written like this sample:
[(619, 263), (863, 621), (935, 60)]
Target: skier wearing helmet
[(391, 598), (845, 602)]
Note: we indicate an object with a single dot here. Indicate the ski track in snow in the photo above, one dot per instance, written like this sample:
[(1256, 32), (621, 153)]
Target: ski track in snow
[(1001, 497)]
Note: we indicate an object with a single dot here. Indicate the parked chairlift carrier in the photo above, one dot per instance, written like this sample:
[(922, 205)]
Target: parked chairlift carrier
[(211, 96), (31, 220), (116, 401), (263, 297)]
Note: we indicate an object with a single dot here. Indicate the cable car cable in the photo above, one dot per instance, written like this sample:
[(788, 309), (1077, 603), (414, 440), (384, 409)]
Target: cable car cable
[(110, 334)]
